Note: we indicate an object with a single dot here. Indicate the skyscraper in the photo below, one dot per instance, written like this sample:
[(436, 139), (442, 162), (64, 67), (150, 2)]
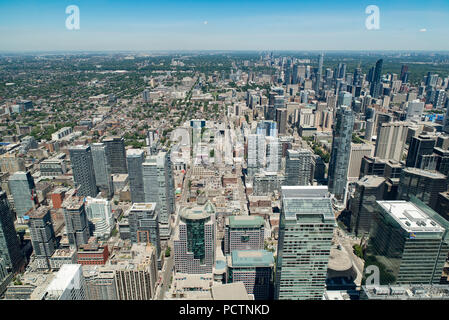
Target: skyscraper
[(306, 230), (158, 187), (22, 188), (341, 151), (254, 268), (424, 184), (10, 250), (76, 222), (390, 140), (68, 284), (136, 278), (83, 171), (256, 154), (267, 128), (376, 84), (194, 241), (419, 146), (368, 190), (144, 224), (244, 233), (42, 234), (408, 243), (273, 155), (102, 167), (298, 167), (116, 154), (99, 214), (319, 73), (135, 158), (281, 118)]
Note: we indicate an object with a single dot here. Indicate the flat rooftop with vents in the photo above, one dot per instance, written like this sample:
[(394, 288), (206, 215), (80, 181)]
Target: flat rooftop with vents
[(410, 217)]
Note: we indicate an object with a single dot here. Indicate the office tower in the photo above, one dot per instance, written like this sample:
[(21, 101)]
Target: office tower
[(68, 284), (279, 102), (273, 155), (102, 168), (116, 154), (100, 282), (298, 167), (83, 171), (10, 250), (306, 230), (11, 163), (319, 75), (431, 79), (344, 99), (357, 77), (414, 109), (391, 140), (267, 128), (440, 98), (267, 183), (244, 233), (341, 151), (368, 190), (376, 84), (158, 187), (99, 214), (22, 188), (135, 158), (43, 237), (419, 146), (408, 243), (254, 268), (136, 278), (143, 221), (256, 154), (281, 118), (379, 119), (423, 184), (404, 73), (341, 71), (358, 152), (194, 241), (76, 222)]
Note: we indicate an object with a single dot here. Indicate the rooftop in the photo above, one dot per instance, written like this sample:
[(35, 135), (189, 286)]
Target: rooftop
[(230, 291), (245, 221), (149, 206), (64, 277), (251, 258), (410, 217)]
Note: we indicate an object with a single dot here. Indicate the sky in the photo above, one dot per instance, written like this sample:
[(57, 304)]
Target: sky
[(146, 25)]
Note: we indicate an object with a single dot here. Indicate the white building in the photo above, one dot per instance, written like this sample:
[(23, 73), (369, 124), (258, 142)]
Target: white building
[(99, 212), (68, 284)]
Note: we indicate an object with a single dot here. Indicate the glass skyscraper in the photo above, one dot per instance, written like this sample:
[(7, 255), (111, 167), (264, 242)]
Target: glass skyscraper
[(306, 230), (194, 242), (341, 151), (21, 186), (83, 171), (135, 159), (408, 243), (10, 250), (102, 167)]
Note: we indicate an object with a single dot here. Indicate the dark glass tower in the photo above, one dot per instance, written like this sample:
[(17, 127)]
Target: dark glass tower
[(376, 83)]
